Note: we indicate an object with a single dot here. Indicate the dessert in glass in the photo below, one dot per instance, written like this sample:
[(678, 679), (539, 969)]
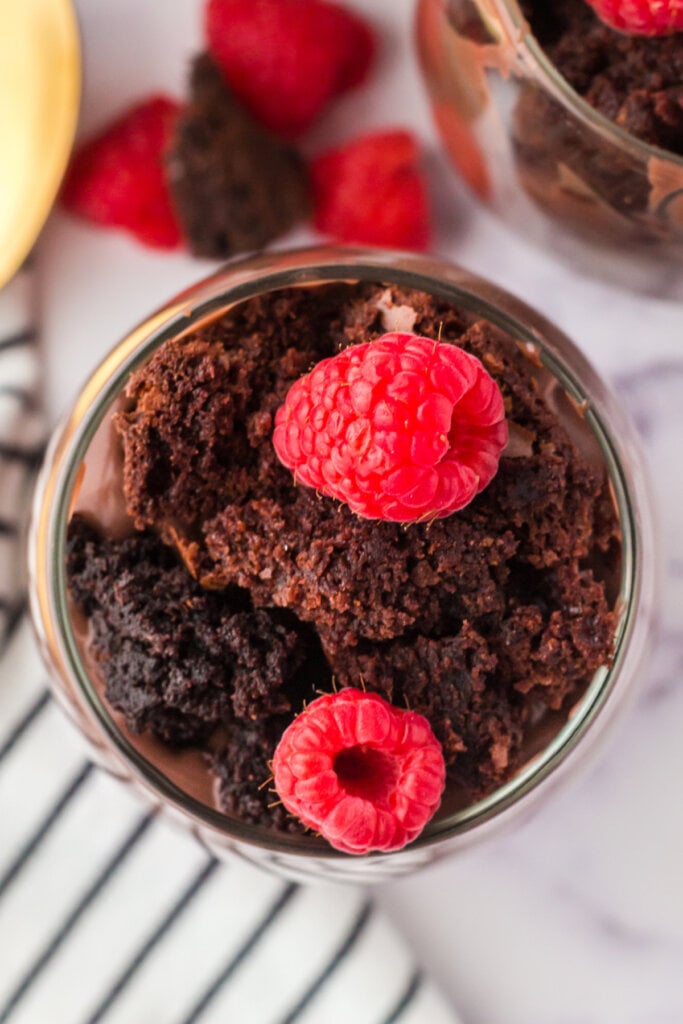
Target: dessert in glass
[(195, 604), (554, 118)]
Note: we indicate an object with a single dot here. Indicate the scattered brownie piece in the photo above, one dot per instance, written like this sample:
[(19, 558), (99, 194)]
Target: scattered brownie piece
[(234, 185)]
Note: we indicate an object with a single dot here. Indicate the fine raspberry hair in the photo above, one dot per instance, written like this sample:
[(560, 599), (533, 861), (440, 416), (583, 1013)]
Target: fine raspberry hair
[(403, 428), (641, 17), (364, 774)]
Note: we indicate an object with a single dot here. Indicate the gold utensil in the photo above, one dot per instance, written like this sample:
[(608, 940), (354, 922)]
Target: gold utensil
[(40, 81)]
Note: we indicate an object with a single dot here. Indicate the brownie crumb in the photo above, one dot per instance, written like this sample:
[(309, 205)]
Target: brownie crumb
[(235, 186), (197, 429)]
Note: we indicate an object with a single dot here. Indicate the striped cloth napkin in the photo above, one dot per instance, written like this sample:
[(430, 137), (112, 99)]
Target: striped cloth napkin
[(21, 437), (109, 914)]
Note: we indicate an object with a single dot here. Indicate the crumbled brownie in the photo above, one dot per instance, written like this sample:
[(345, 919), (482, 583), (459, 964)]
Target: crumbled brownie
[(475, 620), (241, 519), (556, 631), (197, 433), (353, 578), (635, 81), (175, 658), (469, 712), (235, 187)]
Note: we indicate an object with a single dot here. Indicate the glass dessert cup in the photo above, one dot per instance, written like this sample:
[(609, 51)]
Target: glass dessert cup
[(306, 857), (540, 155)]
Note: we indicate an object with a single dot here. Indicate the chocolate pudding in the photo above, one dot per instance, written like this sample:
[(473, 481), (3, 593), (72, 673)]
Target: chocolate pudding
[(211, 596)]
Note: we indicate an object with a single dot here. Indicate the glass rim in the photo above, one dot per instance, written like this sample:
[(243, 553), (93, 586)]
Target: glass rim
[(530, 50), (234, 283)]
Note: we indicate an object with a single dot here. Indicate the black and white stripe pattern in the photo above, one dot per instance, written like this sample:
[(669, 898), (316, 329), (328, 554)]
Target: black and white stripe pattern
[(108, 915), (21, 436)]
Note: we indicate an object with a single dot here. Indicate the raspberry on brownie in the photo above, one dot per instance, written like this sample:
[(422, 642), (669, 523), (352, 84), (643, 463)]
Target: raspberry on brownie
[(365, 774), (401, 428)]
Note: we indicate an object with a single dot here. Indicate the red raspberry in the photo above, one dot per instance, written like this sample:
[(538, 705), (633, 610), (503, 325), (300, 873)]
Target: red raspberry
[(287, 59), (117, 179), (641, 17), (402, 428), (366, 775), (372, 191)]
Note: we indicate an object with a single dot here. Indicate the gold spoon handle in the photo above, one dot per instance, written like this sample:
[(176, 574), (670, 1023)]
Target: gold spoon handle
[(40, 79)]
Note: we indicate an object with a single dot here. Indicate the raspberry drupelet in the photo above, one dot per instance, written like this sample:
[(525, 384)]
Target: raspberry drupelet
[(365, 774), (402, 428)]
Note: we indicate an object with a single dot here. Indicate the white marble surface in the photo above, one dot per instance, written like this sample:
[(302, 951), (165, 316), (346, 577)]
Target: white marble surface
[(577, 918)]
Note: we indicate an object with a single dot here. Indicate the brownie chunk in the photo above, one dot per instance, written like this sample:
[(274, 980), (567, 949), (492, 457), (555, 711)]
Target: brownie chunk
[(177, 659), (197, 432), (634, 81), (358, 579), (477, 723), (234, 185)]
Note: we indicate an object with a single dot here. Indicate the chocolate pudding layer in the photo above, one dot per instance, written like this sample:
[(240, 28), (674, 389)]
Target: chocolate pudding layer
[(634, 81), (212, 596)]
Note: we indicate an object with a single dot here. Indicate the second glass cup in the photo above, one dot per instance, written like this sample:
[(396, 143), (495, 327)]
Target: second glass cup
[(541, 156), (81, 461)]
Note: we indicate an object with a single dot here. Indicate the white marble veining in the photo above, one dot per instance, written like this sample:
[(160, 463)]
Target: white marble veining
[(577, 917)]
